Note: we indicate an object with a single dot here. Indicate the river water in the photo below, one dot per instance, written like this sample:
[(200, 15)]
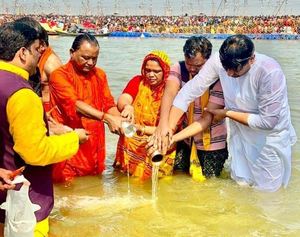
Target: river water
[(103, 206)]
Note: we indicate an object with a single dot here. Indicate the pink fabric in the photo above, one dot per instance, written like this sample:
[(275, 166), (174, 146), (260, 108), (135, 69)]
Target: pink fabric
[(218, 131)]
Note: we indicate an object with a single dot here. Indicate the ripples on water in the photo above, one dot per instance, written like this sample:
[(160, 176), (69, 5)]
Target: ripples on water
[(101, 206)]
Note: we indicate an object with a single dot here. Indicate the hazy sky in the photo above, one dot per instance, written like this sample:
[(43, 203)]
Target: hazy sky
[(159, 7)]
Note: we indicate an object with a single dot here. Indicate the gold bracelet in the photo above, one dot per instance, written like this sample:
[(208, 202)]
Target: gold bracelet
[(142, 132), (125, 106)]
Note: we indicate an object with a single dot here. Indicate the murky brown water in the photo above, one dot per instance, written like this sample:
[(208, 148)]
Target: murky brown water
[(102, 206)]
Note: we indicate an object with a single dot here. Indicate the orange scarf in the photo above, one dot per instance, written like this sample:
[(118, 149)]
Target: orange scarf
[(43, 59)]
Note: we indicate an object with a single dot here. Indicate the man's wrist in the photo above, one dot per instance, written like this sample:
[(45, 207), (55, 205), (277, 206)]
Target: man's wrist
[(227, 113), (103, 116)]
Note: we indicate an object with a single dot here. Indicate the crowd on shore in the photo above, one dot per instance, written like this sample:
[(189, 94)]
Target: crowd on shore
[(196, 24)]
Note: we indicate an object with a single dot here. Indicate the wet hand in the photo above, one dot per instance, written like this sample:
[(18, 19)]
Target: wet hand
[(160, 136), (219, 114), (128, 113), (115, 124), (82, 134), (152, 145), (150, 148)]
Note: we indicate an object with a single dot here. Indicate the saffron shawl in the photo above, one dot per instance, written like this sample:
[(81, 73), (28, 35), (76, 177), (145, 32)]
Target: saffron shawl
[(131, 153), (43, 59)]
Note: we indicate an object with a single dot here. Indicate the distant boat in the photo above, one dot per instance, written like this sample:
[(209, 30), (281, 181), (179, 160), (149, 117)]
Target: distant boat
[(50, 31), (65, 33)]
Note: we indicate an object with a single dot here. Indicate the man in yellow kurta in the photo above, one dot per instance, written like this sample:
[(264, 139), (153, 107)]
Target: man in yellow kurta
[(24, 136)]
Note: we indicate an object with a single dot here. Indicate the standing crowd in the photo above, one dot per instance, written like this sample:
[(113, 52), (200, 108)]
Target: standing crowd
[(53, 116), (193, 24)]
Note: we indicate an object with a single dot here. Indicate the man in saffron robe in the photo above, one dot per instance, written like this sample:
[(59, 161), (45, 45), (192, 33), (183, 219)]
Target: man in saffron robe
[(81, 93)]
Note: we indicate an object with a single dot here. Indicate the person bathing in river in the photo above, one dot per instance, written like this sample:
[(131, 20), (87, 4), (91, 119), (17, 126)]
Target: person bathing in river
[(210, 139), (255, 92), (140, 103)]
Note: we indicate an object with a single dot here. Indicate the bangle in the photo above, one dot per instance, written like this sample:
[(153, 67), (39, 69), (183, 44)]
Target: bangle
[(142, 132), (102, 117), (125, 106)]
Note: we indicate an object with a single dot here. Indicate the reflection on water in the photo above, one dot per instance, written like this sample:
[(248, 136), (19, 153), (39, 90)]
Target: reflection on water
[(100, 205)]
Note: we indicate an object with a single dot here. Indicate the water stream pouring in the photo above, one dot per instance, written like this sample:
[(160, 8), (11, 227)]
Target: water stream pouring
[(129, 130)]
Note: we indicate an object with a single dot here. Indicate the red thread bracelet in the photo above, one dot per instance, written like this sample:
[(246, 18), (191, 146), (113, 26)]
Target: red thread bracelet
[(102, 117)]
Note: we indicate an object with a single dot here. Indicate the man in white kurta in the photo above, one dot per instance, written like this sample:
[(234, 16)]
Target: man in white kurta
[(255, 92)]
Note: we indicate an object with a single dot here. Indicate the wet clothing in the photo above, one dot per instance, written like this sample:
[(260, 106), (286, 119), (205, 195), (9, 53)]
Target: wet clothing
[(131, 152), (218, 131), (212, 162), (66, 87), (261, 152)]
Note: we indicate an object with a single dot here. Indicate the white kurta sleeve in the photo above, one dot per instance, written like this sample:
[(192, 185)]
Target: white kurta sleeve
[(272, 96)]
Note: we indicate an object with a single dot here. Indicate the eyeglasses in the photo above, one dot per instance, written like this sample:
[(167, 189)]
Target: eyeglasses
[(148, 71)]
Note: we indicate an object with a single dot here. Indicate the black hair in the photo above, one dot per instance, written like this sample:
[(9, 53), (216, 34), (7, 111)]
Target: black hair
[(13, 36), (196, 44), (84, 37), (43, 35), (236, 51)]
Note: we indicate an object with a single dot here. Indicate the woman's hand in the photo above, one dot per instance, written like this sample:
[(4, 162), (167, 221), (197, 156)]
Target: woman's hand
[(128, 113)]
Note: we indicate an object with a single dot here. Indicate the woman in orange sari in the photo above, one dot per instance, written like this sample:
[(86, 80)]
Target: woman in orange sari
[(140, 103)]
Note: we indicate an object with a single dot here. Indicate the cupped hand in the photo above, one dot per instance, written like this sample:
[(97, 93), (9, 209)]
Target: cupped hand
[(115, 123)]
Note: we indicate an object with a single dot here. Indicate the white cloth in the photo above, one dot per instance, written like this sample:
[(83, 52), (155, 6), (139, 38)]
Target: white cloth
[(261, 152), (20, 219)]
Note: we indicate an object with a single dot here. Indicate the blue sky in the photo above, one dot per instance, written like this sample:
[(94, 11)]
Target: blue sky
[(159, 7)]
